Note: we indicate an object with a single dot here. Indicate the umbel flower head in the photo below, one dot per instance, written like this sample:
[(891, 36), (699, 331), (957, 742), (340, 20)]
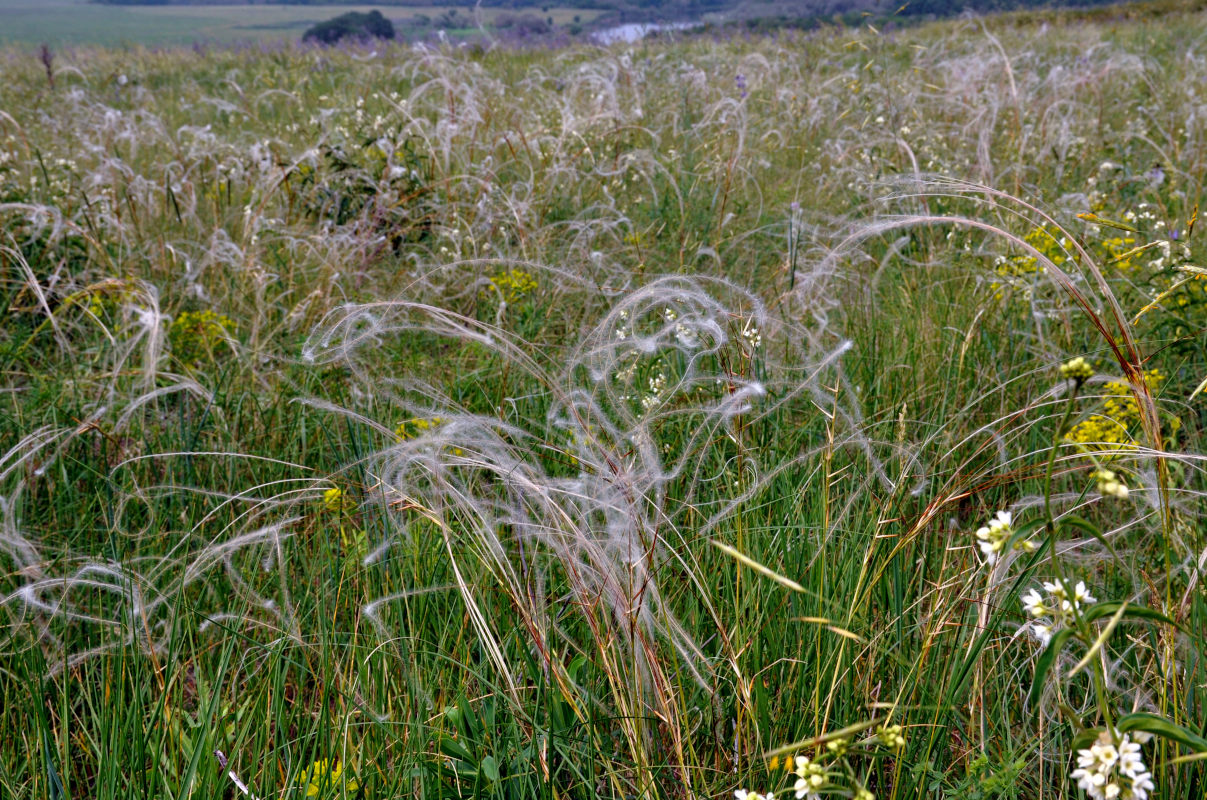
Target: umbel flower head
[(1077, 370), (1107, 771), (891, 736), (1109, 484)]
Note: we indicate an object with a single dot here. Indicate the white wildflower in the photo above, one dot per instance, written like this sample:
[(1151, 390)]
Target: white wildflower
[(994, 536), (1034, 603), (751, 334), (1055, 611), (657, 386), (1109, 772), (742, 794), (892, 736), (810, 779), (1077, 370)]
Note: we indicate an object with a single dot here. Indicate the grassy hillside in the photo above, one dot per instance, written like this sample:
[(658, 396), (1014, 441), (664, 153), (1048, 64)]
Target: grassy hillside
[(607, 423)]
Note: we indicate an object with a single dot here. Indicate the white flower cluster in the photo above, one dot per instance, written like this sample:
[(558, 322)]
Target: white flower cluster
[(686, 336), (622, 330), (657, 386), (810, 779), (1055, 611), (1109, 772), (751, 335), (992, 538), (891, 736), (1109, 484), (742, 794), (1167, 255)]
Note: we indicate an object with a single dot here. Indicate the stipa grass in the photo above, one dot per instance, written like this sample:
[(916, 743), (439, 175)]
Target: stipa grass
[(397, 438)]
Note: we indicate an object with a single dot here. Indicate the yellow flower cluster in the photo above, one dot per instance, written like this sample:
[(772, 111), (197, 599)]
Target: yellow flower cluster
[(1020, 271), (574, 443), (109, 300), (335, 500), (102, 303), (1120, 415), (215, 191), (513, 284), (1122, 248), (325, 779), (416, 427), (197, 333)]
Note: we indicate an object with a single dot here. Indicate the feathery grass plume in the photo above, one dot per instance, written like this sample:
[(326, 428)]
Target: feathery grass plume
[(607, 532), (638, 403)]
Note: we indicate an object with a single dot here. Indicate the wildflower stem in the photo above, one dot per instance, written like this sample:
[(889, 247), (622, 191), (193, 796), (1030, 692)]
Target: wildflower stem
[(1049, 520), (1083, 628)]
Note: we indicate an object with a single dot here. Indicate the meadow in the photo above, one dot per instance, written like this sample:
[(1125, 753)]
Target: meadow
[(811, 416), (74, 23)]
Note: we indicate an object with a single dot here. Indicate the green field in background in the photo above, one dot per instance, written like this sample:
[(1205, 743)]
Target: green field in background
[(74, 22)]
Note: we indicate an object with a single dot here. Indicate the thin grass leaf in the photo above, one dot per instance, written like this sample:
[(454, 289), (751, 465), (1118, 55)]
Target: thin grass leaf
[(1044, 664), (1160, 726)]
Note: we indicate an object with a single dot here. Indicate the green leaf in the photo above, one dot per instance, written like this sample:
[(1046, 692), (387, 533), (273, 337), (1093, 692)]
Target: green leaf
[(472, 725), (1100, 610), (964, 673), (451, 747), (1044, 664), (490, 768), (1159, 726)]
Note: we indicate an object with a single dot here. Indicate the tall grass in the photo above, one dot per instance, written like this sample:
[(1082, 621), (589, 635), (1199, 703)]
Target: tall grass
[(436, 422)]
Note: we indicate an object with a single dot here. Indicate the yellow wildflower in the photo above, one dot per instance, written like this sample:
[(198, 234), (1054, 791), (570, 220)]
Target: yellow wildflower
[(194, 334), (513, 284), (335, 500), (325, 778), (1111, 429)]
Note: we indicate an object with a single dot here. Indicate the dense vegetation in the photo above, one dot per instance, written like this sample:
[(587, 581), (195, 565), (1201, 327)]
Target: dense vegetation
[(353, 25), (455, 422)]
